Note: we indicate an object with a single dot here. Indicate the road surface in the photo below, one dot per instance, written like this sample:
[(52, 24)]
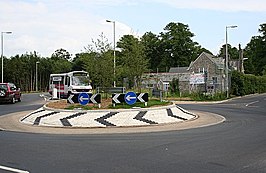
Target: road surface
[(238, 145)]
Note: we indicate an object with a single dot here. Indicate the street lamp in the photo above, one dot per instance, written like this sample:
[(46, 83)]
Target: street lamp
[(226, 60), (114, 46), (37, 75), (2, 54)]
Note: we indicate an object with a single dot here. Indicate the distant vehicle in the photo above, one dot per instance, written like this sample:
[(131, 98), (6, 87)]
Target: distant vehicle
[(70, 83), (9, 93)]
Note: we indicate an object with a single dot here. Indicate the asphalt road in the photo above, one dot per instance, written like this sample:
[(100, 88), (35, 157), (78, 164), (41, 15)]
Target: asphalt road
[(237, 145), (28, 102)]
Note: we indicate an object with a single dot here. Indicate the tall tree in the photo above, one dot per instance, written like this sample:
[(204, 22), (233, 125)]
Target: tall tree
[(179, 48), (132, 61), (172, 48), (98, 61), (151, 43), (233, 52), (61, 54), (255, 51)]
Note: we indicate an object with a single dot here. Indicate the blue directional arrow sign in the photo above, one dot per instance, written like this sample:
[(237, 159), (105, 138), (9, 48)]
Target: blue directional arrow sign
[(83, 98), (130, 98)]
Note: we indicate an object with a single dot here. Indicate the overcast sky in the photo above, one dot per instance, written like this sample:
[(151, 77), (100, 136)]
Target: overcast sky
[(47, 25)]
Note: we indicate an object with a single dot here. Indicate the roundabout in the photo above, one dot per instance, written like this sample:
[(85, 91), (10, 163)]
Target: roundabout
[(107, 121), (196, 145), (46, 116)]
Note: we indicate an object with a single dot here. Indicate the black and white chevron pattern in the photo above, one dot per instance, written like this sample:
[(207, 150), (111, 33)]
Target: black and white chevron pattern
[(107, 118)]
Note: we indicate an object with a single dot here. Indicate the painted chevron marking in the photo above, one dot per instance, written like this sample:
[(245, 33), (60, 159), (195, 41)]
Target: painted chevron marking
[(170, 113), (38, 119), (32, 114), (140, 116), (185, 111), (103, 121), (65, 121)]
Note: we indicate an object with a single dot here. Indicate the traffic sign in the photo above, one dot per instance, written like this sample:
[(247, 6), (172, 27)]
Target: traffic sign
[(118, 98), (83, 98), (69, 99), (95, 98), (142, 97), (130, 98)]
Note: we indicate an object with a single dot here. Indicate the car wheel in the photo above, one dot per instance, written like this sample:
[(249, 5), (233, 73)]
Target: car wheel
[(2, 93), (13, 100)]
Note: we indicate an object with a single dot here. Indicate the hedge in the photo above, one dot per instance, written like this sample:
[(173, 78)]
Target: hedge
[(244, 84)]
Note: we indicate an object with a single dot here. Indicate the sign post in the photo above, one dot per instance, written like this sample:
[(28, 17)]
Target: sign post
[(57, 79)]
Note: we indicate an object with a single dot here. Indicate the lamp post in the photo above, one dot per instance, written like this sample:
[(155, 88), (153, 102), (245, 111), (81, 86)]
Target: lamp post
[(226, 60), (114, 46), (37, 75), (2, 54)]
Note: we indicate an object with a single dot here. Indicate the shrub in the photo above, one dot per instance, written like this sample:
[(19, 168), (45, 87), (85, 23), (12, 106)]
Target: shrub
[(243, 84)]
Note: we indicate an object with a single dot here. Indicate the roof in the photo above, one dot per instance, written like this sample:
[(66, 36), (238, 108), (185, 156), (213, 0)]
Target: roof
[(218, 61), (178, 70)]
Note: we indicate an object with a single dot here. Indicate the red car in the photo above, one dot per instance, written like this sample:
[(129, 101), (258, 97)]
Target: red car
[(9, 93)]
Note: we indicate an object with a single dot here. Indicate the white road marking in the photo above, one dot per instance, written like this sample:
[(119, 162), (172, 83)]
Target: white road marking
[(13, 169), (247, 105)]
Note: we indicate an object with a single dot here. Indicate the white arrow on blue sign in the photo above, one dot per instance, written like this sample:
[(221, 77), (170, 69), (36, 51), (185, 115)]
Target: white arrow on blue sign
[(130, 98), (83, 98)]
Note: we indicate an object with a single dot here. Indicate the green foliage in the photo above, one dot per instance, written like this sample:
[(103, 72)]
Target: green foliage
[(255, 51), (61, 54), (151, 43), (98, 62), (132, 61), (172, 48), (174, 87), (244, 84), (21, 70), (237, 85), (233, 52)]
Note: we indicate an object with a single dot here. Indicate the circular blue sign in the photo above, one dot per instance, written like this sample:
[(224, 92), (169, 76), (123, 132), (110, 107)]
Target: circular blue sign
[(130, 98), (83, 98)]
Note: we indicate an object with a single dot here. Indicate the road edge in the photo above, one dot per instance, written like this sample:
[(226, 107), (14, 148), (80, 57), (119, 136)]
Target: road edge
[(11, 122)]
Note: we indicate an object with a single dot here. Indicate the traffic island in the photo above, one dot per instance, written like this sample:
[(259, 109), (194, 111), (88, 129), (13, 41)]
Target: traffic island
[(134, 117)]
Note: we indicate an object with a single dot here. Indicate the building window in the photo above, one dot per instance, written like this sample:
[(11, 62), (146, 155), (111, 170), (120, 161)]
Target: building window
[(201, 70)]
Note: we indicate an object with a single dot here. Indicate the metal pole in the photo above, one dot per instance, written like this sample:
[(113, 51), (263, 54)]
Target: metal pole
[(226, 63), (2, 52), (37, 75), (114, 47), (227, 60), (114, 55)]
